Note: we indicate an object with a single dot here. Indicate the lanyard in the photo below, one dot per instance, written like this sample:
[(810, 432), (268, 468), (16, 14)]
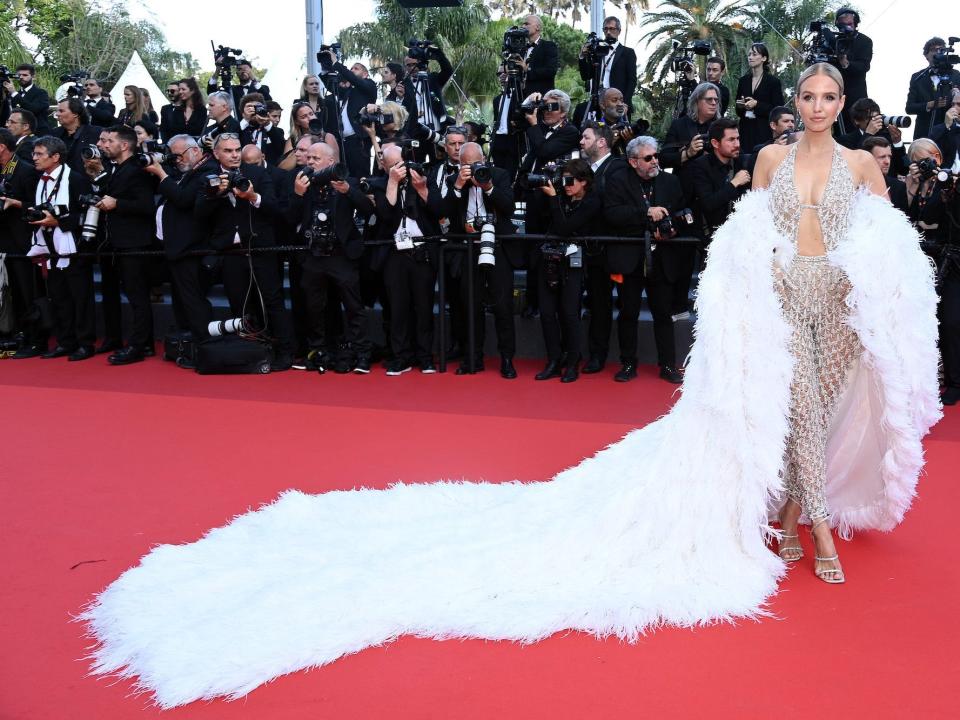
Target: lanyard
[(44, 196)]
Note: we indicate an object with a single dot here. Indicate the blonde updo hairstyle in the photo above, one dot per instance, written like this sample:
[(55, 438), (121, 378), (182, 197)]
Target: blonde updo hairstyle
[(820, 69)]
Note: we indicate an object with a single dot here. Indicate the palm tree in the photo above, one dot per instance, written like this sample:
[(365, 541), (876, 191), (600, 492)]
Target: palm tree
[(685, 21)]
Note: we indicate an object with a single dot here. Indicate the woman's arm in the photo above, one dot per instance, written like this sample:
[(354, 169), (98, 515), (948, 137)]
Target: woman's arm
[(767, 161), (868, 173)]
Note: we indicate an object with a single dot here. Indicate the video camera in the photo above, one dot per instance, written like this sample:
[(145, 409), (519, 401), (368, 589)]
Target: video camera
[(77, 78), (827, 46), (225, 56), (235, 179), (598, 48), (946, 57), (682, 59), (421, 51), (5, 73), (515, 41), (327, 55)]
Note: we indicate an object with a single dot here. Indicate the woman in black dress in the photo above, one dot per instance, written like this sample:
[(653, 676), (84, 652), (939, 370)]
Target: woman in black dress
[(758, 92), (135, 108), (190, 117)]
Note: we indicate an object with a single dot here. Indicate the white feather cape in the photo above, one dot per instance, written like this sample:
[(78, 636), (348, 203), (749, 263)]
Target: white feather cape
[(667, 526)]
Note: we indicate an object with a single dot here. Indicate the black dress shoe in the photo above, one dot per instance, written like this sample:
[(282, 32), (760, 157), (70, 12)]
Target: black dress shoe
[(281, 363), (507, 370), (626, 373), (84, 353), (27, 351), (594, 365), (109, 346), (149, 350), (58, 351), (671, 374), (127, 356), (949, 397), (552, 370), (571, 372), (465, 370)]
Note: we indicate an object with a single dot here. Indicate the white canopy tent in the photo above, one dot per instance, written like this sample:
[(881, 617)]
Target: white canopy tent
[(137, 74)]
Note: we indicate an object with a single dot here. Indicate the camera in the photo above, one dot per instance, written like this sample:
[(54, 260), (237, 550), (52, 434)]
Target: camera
[(928, 168), (77, 78), (91, 218), (900, 121), (946, 58), (327, 55), (226, 56), (555, 256), (427, 133), (599, 48), (324, 176), (4, 73), (260, 110), (4, 189), (415, 167), (682, 59), (224, 327), (376, 118), (826, 45), (35, 214), (365, 187), (153, 152), (90, 152), (532, 107), (235, 179), (552, 172), (420, 50), (515, 41), (319, 235), (481, 172)]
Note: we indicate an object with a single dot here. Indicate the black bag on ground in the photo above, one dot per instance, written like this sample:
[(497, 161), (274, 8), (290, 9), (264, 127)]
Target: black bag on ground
[(179, 347), (232, 355)]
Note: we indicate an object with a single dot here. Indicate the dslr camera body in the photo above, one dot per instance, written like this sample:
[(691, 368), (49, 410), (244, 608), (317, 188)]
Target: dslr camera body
[(323, 177), (375, 119), (550, 173), (35, 214), (235, 179)]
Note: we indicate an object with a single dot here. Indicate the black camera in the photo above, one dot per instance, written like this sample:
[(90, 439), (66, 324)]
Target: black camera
[(599, 48), (420, 50), (415, 167), (515, 41), (928, 168), (319, 235), (316, 127), (90, 152), (682, 59), (375, 118), (260, 110), (226, 56), (4, 188), (532, 107), (4, 73), (153, 152), (323, 177), (35, 214), (551, 173), (76, 79), (235, 179), (481, 172), (90, 199), (946, 58), (827, 46)]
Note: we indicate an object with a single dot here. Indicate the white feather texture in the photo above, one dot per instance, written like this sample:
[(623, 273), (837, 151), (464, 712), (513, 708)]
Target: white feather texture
[(667, 526)]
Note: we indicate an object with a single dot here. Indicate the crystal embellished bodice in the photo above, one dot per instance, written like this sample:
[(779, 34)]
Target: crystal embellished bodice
[(833, 210)]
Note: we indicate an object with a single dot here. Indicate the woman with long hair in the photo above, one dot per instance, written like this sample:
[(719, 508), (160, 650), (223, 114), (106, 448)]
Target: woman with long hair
[(190, 116), (758, 92), (310, 93), (300, 117), (810, 385), (135, 107)]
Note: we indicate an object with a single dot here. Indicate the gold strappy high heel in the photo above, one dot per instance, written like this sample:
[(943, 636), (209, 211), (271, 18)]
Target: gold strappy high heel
[(834, 576)]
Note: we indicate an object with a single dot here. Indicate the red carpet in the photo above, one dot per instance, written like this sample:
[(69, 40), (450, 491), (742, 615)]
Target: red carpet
[(101, 463)]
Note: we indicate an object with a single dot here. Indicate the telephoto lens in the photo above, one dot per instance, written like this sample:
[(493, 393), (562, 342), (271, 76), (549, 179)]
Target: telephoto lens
[(488, 242), (226, 327), (899, 121)]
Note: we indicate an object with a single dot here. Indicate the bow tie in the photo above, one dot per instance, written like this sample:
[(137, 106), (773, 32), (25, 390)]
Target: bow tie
[(46, 177)]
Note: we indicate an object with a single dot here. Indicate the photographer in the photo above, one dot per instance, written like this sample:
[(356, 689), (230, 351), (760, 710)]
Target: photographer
[(642, 200), (411, 267), (180, 234), (716, 68), (75, 131), (246, 82), (881, 150), (924, 200), (687, 136), (855, 52), (550, 138), (423, 90), (561, 269), (613, 110), (595, 145), (304, 121), (618, 64), (22, 125), (220, 119), (353, 90), (239, 212), (507, 143), (391, 79), (930, 89), (947, 134), (323, 208), (100, 109), (478, 196), (758, 92), (541, 60), (716, 178), (128, 220), (18, 182), (868, 122), (256, 128), (69, 280), (29, 97), (383, 123)]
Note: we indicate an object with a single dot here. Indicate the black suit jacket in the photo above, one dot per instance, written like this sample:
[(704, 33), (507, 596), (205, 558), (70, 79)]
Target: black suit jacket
[(626, 213), (362, 91), (920, 93), (342, 207), (238, 91), (623, 72), (854, 141), (860, 54), (174, 122), (21, 185), (181, 232), (102, 114), (546, 145), (435, 82), (227, 220), (897, 191), (37, 101), (499, 203), (769, 94), (948, 141), (541, 68), (228, 125), (132, 223), (25, 148), (271, 142), (85, 135), (712, 194)]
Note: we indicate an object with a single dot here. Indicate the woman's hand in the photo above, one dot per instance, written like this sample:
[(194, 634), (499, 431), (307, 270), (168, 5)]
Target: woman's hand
[(548, 189)]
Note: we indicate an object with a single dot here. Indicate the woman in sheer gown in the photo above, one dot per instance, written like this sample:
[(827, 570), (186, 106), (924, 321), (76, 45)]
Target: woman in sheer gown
[(810, 385)]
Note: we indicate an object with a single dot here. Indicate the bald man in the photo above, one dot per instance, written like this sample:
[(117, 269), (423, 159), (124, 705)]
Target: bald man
[(470, 203), (541, 60), (323, 208)]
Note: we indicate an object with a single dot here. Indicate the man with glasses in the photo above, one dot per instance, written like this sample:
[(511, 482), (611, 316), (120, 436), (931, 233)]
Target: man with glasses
[(23, 123), (29, 97), (166, 112), (236, 218), (929, 95), (100, 109), (638, 201), (618, 68), (181, 234), (686, 138)]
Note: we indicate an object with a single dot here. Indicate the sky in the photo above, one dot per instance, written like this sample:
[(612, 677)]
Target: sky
[(277, 39)]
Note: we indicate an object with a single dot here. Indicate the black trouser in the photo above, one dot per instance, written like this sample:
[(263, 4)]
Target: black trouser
[(496, 284), (71, 294), (660, 294), (318, 273), (410, 284), (189, 288), (135, 273), (25, 284), (535, 222), (560, 313), (110, 299), (505, 152), (356, 151), (600, 290), (236, 283), (949, 315)]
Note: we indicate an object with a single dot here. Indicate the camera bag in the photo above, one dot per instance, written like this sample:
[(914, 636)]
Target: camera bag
[(180, 348), (232, 355)]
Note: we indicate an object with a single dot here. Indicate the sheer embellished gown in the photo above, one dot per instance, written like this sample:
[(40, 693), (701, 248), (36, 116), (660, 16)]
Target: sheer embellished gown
[(809, 376)]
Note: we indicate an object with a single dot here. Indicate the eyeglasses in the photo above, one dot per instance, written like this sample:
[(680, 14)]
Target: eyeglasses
[(647, 158), (711, 100), (611, 28), (228, 136), (456, 130)]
